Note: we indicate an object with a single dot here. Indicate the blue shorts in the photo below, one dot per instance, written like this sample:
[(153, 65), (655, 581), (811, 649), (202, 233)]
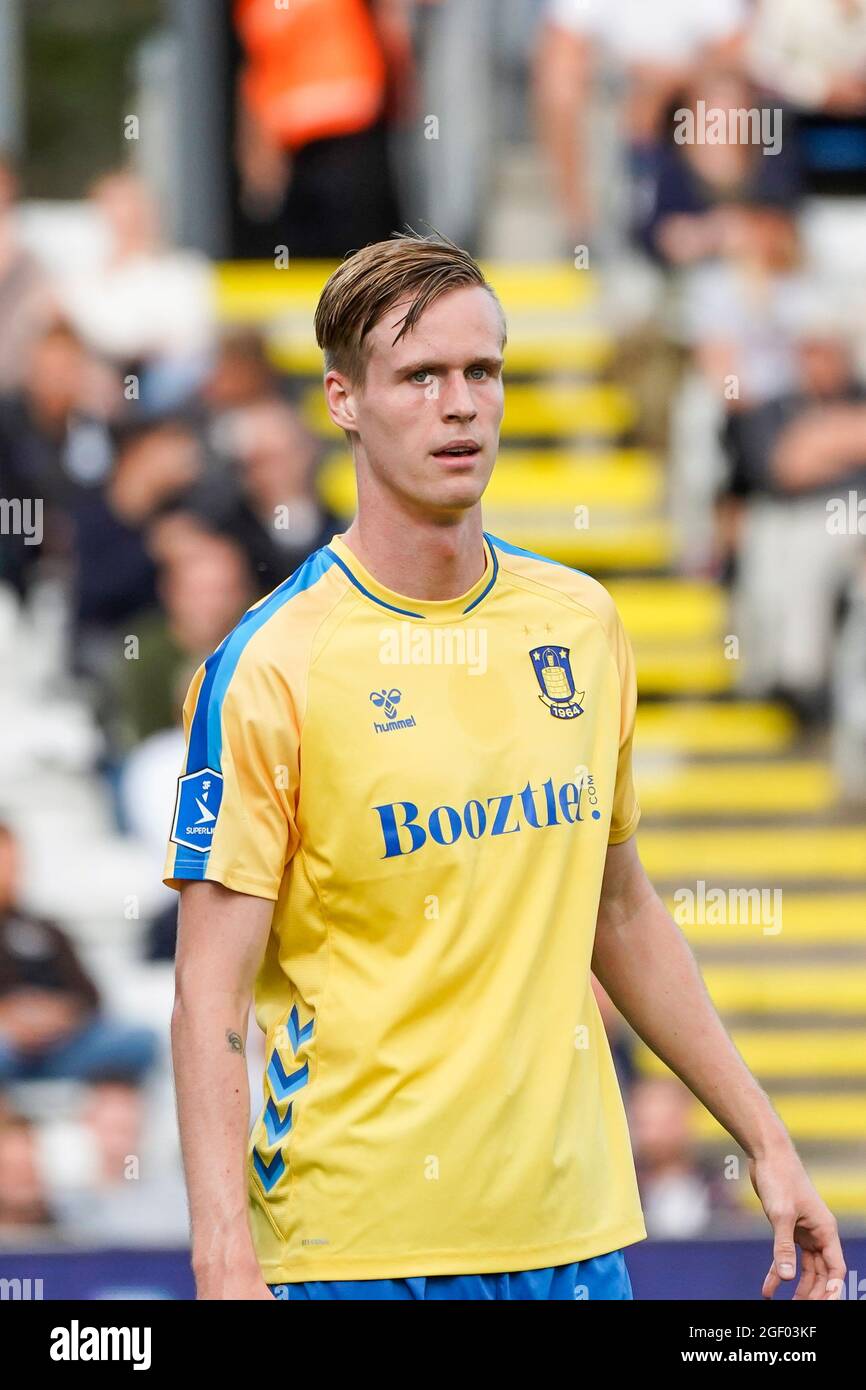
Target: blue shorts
[(603, 1276)]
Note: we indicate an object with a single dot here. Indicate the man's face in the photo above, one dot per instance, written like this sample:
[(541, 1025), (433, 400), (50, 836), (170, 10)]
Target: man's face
[(440, 384)]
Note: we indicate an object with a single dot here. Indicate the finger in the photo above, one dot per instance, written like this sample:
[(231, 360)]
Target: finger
[(784, 1250), (771, 1283), (819, 1289), (807, 1275), (831, 1253)]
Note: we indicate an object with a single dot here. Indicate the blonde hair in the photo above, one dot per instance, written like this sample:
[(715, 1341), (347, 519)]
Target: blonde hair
[(368, 282)]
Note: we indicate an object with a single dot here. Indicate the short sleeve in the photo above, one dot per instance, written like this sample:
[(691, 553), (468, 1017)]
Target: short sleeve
[(626, 811), (235, 809)]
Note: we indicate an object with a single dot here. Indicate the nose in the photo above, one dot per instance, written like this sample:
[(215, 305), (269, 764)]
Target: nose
[(456, 398)]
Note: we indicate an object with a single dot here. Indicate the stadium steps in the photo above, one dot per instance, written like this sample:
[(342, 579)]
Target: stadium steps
[(810, 921), (833, 1054), (731, 789), (264, 292), (691, 728), (757, 854)]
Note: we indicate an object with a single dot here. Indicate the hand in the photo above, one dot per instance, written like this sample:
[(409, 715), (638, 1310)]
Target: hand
[(798, 1216), (34, 1018), (231, 1275), (846, 94)]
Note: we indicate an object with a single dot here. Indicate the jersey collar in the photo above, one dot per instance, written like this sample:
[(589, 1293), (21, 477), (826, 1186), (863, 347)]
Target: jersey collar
[(425, 610)]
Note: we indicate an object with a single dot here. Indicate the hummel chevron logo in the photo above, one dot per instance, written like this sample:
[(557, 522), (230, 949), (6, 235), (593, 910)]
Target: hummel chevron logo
[(283, 1084), (269, 1172)]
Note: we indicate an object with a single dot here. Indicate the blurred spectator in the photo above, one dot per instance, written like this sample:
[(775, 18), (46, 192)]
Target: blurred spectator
[(688, 215), (277, 458), (741, 311), (114, 576), (789, 458), (240, 374), (26, 301), (205, 584), (146, 308), (50, 1020), (811, 52), (680, 1197), (104, 1179), (653, 49), (848, 692), (23, 1197), (53, 439), (311, 145)]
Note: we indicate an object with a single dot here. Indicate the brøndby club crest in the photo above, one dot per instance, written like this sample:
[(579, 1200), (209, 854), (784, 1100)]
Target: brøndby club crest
[(552, 667)]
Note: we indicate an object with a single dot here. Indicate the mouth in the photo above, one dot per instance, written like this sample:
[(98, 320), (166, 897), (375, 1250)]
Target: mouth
[(461, 450)]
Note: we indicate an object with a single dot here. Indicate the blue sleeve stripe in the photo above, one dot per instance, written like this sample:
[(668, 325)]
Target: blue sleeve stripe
[(187, 867), (205, 739)]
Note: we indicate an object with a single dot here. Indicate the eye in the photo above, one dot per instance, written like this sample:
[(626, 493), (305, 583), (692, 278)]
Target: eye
[(482, 370), (421, 372)]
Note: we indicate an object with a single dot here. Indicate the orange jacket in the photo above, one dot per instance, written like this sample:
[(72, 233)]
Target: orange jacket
[(314, 69)]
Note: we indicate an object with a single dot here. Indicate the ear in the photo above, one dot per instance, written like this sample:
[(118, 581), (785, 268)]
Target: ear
[(340, 398)]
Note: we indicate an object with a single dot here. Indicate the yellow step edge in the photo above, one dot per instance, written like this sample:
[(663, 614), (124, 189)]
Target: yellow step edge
[(537, 286), (660, 608), (788, 1053), (698, 727), (813, 919), (251, 289), (687, 670), (564, 410), (806, 1117), (580, 351), (754, 788), (759, 988), (641, 545), (758, 855)]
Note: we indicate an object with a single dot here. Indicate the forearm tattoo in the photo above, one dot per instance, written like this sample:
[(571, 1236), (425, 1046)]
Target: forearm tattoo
[(235, 1042)]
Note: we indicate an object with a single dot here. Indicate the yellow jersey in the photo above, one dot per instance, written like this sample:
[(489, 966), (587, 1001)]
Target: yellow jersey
[(426, 790)]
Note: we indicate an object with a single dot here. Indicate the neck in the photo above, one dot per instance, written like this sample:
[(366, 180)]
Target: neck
[(418, 556)]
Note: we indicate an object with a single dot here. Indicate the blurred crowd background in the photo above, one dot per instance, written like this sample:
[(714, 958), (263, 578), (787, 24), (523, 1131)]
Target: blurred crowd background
[(686, 419)]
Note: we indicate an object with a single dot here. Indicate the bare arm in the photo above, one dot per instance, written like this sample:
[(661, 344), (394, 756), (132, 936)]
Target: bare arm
[(221, 941), (560, 80), (824, 443), (644, 962)]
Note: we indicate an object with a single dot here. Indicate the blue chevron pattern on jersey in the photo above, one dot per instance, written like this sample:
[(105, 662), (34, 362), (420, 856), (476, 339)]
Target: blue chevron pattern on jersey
[(269, 1172), (283, 1084)]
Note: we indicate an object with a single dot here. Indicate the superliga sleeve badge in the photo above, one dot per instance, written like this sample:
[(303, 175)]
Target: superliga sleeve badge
[(198, 802)]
